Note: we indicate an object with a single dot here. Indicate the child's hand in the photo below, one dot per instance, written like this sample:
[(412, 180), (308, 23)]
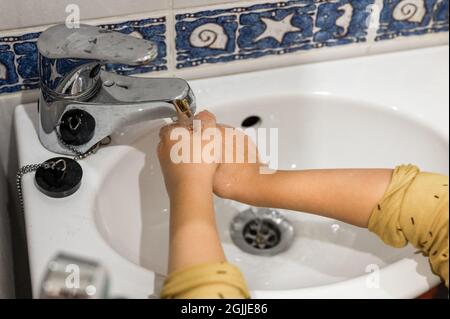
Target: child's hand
[(182, 178), (237, 180), (231, 179)]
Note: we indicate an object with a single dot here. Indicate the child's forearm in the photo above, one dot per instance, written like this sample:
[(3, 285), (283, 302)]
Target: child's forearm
[(346, 195), (193, 234)]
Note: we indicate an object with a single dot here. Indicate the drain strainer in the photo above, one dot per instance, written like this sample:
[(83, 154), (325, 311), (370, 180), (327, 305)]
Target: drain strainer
[(263, 232)]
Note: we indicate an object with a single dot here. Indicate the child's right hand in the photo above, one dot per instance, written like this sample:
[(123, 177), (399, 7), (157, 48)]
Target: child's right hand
[(237, 181)]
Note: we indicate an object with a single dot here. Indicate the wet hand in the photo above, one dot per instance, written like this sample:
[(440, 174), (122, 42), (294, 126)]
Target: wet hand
[(184, 167), (238, 175)]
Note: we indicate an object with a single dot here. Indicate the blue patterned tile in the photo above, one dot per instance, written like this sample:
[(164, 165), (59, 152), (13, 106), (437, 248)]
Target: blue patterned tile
[(440, 17), (268, 29), (412, 17), (203, 37), (342, 22), (259, 29), (18, 59), (18, 54), (8, 74)]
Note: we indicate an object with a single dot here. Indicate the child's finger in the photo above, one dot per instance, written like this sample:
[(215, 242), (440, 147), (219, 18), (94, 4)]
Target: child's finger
[(207, 118), (205, 115)]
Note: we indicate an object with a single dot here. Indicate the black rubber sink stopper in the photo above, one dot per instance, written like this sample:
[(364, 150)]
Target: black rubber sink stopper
[(59, 177), (77, 127)]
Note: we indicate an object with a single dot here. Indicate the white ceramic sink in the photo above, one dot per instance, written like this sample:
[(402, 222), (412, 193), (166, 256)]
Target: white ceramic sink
[(377, 111)]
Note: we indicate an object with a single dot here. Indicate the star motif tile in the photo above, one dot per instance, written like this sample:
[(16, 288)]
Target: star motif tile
[(278, 29)]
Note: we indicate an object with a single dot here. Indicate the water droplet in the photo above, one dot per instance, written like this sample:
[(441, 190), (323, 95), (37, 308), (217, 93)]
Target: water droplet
[(335, 228), (108, 83)]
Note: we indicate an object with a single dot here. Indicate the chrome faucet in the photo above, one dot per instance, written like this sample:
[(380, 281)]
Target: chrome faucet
[(81, 103)]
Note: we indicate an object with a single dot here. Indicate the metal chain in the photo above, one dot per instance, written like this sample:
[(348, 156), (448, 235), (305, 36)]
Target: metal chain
[(22, 171), (26, 169)]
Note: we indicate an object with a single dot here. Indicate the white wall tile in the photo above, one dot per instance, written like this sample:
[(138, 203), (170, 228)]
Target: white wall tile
[(177, 4), (26, 13)]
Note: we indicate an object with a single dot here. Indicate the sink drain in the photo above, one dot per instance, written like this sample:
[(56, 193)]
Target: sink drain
[(262, 232)]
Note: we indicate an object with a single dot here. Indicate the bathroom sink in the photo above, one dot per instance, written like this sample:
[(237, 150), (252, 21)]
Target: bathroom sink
[(374, 111)]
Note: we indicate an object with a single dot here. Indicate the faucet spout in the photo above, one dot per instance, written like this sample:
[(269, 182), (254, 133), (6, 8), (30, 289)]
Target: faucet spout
[(125, 91), (123, 101)]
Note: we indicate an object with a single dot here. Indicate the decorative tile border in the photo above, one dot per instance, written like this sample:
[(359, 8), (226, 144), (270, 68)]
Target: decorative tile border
[(268, 29), (18, 54), (235, 33), (18, 63), (412, 17)]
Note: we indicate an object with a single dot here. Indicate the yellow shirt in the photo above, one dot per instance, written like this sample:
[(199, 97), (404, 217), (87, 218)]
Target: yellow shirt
[(206, 281), (414, 209)]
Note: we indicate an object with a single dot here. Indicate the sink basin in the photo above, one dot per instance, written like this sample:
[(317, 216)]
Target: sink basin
[(341, 114), (314, 132)]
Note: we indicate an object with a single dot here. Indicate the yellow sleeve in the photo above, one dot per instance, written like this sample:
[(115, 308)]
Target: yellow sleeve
[(206, 281), (414, 209)]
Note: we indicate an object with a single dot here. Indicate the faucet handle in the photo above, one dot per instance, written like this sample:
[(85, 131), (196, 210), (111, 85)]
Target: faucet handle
[(70, 60), (93, 43)]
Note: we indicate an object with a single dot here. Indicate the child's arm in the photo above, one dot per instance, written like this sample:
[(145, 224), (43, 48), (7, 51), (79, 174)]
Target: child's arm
[(193, 234), (346, 195), (197, 264)]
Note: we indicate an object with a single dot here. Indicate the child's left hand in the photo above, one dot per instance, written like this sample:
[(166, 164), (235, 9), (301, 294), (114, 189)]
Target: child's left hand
[(182, 177)]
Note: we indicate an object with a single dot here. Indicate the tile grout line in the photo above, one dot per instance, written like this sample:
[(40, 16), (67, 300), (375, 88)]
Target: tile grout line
[(374, 21)]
